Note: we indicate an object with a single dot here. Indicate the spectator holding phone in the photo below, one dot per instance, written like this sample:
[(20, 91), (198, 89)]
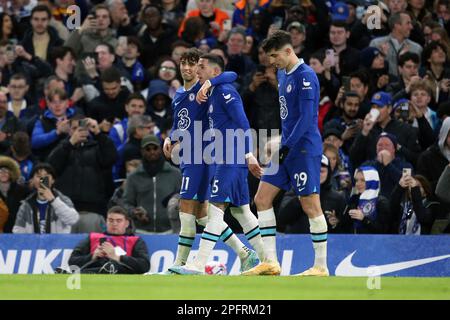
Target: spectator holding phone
[(89, 185), (45, 210), (117, 251), (412, 205)]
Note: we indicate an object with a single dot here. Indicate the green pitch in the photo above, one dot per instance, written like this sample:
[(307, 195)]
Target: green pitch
[(219, 287)]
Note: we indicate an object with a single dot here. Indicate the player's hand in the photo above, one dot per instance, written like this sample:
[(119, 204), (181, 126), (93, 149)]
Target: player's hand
[(282, 154), (254, 167), (167, 148), (202, 94)]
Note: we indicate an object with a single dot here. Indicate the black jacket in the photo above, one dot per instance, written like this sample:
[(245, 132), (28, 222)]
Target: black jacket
[(102, 107), (16, 194), (137, 263), (364, 147), (431, 164), (426, 211), (55, 41), (154, 49), (83, 171)]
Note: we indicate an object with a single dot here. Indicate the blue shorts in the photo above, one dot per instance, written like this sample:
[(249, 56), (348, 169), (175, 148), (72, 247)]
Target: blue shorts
[(298, 171), (230, 185), (196, 182)]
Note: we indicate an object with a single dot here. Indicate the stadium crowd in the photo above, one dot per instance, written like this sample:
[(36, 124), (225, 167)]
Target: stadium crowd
[(84, 112)]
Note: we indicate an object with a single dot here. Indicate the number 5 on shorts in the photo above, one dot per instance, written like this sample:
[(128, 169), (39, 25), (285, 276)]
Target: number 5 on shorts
[(215, 187)]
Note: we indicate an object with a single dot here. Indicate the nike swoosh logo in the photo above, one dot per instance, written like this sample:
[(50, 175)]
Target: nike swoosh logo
[(301, 189), (347, 269), (183, 192), (176, 103)]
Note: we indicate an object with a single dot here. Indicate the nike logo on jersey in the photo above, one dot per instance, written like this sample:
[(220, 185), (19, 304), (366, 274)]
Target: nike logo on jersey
[(176, 103), (347, 268), (301, 189)]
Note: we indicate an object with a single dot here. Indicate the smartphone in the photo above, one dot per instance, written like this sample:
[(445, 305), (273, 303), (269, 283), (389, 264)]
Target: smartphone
[(406, 172), (227, 25), (261, 68), (278, 22), (346, 83), (102, 240), (83, 123), (45, 182), (374, 114), (122, 41), (329, 54)]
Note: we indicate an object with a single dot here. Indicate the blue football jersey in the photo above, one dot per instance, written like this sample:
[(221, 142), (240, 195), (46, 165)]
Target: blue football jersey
[(227, 118), (191, 120), (299, 94)]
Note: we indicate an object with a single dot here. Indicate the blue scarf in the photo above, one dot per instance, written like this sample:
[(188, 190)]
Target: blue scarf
[(367, 202), (137, 74)]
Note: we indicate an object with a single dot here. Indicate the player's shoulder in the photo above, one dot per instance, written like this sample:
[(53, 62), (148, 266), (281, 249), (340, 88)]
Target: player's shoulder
[(225, 89), (305, 71)]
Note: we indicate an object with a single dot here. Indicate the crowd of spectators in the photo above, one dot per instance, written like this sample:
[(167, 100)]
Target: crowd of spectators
[(83, 111)]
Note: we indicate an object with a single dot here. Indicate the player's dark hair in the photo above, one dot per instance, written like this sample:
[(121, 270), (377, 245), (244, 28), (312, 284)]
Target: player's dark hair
[(191, 56), (277, 40), (215, 59), (407, 56)]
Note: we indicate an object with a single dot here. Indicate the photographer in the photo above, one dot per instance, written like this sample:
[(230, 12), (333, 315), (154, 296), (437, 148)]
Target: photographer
[(46, 210), (117, 250), (83, 163)]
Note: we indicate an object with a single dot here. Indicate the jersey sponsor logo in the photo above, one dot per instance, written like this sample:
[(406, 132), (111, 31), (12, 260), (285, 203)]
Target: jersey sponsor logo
[(226, 96), (306, 85), (289, 88), (191, 97), (347, 268), (184, 122), (283, 108)]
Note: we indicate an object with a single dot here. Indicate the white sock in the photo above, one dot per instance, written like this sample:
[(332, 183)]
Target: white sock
[(186, 238), (202, 221), (210, 235), (268, 225), (250, 226), (230, 239), (318, 228)]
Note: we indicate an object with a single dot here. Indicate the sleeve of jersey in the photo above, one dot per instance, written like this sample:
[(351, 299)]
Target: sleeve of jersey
[(235, 110), (307, 88), (224, 77)]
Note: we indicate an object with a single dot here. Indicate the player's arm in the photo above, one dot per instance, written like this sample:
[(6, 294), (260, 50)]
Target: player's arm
[(169, 142), (235, 110), (224, 77)]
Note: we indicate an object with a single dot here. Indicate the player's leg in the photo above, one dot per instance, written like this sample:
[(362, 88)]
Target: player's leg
[(193, 178), (318, 228), (245, 254), (266, 216), (187, 231), (305, 178)]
